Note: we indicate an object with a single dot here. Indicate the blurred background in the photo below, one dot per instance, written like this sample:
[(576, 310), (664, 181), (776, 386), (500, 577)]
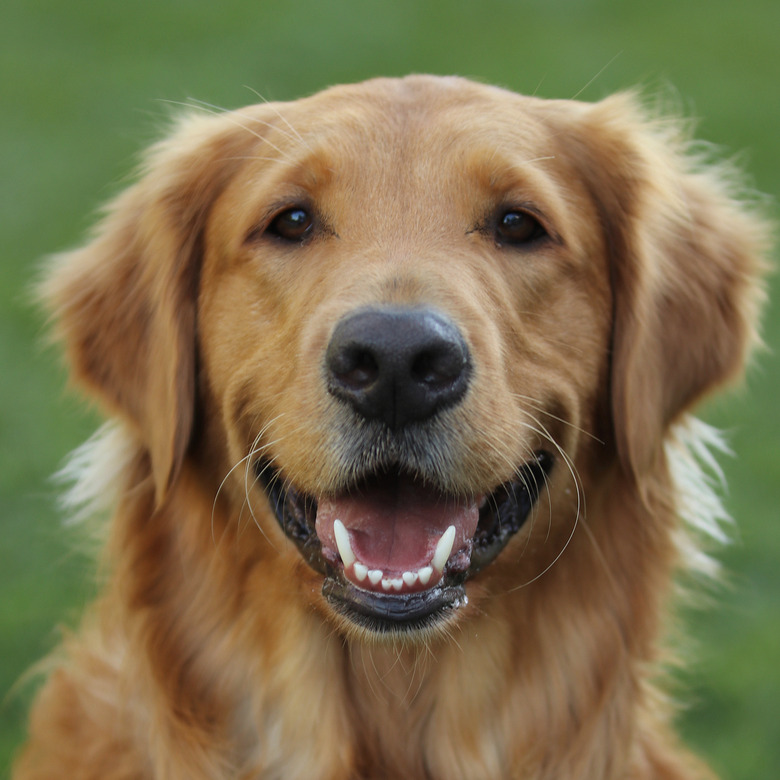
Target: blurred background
[(84, 86)]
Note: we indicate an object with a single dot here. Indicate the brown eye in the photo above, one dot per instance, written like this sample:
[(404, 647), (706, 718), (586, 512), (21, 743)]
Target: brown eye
[(294, 224), (518, 228)]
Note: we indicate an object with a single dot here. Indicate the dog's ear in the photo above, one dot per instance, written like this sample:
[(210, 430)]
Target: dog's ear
[(686, 257), (125, 304)]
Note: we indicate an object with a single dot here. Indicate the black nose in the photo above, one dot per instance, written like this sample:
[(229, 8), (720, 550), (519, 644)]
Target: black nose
[(399, 365)]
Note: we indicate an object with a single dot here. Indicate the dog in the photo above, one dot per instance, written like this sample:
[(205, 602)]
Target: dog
[(399, 451)]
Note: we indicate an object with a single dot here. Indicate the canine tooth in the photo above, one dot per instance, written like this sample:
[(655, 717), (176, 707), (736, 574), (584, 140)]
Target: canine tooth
[(397, 583), (443, 549), (361, 571), (386, 584), (425, 574), (409, 577), (375, 575), (342, 542)]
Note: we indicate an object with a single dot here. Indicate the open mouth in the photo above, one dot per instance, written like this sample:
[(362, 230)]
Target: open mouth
[(396, 552)]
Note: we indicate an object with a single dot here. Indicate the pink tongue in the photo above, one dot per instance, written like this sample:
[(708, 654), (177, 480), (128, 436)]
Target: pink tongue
[(395, 523)]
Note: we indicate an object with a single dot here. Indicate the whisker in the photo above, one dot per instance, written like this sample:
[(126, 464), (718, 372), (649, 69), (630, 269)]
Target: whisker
[(294, 135), (219, 490), (582, 89), (271, 104), (281, 116), (261, 158), (539, 159), (579, 508), (537, 407), (231, 117), (255, 449)]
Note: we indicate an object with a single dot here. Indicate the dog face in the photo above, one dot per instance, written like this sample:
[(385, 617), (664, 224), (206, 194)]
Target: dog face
[(412, 322), (406, 319)]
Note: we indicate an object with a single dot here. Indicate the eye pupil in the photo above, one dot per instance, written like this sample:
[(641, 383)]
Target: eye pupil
[(293, 224), (512, 220), (518, 227)]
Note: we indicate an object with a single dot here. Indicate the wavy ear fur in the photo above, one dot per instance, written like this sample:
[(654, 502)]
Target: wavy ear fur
[(686, 261), (125, 304)]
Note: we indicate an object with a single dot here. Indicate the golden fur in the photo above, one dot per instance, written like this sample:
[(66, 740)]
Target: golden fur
[(212, 652)]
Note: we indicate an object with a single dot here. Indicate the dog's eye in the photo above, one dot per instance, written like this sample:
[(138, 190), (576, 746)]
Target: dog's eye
[(518, 228), (294, 224)]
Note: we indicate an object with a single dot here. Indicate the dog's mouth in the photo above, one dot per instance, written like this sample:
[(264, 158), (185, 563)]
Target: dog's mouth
[(396, 552)]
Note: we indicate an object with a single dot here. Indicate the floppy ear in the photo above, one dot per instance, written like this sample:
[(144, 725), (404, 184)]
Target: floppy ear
[(125, 303), (686, 259)]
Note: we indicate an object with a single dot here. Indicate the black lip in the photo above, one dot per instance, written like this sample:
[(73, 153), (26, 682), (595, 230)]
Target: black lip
[(507, 510), (388, 614), (503, 514)]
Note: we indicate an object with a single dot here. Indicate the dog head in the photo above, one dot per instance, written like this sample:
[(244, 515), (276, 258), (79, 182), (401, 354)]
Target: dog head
[(409, 320)]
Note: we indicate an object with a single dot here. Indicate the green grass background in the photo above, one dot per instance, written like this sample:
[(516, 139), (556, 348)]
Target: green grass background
[(83, 87)]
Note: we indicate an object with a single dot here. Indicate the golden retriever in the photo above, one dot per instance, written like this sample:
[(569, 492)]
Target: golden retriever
[(398, 376)]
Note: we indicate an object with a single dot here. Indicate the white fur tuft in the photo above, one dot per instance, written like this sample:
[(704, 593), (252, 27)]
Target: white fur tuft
[(95, 473), (691, 452)]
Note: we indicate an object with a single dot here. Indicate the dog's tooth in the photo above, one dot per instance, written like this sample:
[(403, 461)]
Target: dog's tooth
[(342, 542), (374, 575), (409, 577), (443, 549), (425, 575), (397, 583), (361, 571), (387, 584)]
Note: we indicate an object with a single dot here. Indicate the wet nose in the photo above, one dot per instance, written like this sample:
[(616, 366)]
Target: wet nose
[(398, 365)]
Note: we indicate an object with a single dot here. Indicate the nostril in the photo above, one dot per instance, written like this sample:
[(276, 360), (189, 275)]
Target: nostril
[(438, 367), (356, 368)]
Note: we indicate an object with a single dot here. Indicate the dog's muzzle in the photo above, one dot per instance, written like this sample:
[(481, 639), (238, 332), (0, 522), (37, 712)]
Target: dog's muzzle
[(395, 549)]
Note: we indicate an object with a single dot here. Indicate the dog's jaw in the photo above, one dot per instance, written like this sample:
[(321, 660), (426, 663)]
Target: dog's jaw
[(395, 554)]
